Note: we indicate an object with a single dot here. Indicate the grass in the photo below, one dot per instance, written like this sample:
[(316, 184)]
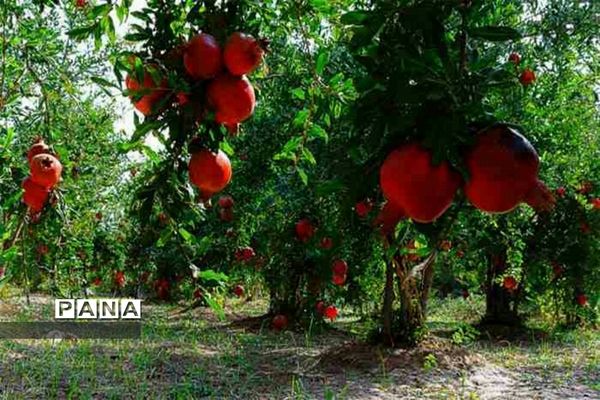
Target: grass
[(196, 355)]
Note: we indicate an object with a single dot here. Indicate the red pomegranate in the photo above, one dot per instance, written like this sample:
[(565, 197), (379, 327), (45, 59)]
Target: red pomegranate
[(561, 191), (244, 254), (595, 203), (226, 214), (97, 281), (339, 267), (35, 196), (226, 202), (363, 208), (280, 322), (80, 3), (39, 147), (239, 291), (330, 312), (232, 98), (119, 279), (320, 307), (242, 54), (45, 170), (581, 299), (388, 218), (422, 190), (150, 91), (162, 288), (210, 172), (509, 283), (326, 243), (339, 280), (503, 168), (527, 77), (304, 230), (202, 58), (514, 58)]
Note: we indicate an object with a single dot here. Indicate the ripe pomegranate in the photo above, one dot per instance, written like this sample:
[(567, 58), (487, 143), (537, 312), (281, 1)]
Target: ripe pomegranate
[(45, 170), (581, 299), (198, 293), (80, 3), (527, 77), (39, 147), (514, 58), (35, 196), (238, 290), (509, 283), (97, 281), (226, 202), (232, 98), (411, 182), (244, 254), (330, 312), (339, 280), (119, 279), (561, 191), (162, 288), (226, 214), (202, 58), (363, 208), (326, 243), (210, 172), (280, 322), (446, 245), (242, 54), (388, 218), (339, 267), (503, 168), (320, 307), (151, 92), (595, 203), (304, 230)]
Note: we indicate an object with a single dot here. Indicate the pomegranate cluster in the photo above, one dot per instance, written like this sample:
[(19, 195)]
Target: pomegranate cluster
[(216, 77), (503, 172), (45, 173)]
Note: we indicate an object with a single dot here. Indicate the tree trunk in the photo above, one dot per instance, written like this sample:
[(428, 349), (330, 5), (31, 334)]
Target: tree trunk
[(500, 306)]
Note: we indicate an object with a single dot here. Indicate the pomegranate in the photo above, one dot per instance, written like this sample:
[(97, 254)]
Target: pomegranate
[(304, 230), (198, 294), (210, 172), (238, 290), (446, 245), (465, 293), (388, 218), (119, 279), (242, 54), (339, 280), (330, 312), (585, 188), (280, 322), (527, 77), (326, 243), (226, 202), (561, 191), (363, 208), (320, 307), (162, 288), (202, 58), (39, 147), (97, 281), (581, 299), (226, 214), (182, 98), (514, 58), (80, 3), (152, 93), (339, 267), (244, 254), (414, 185), (232, 98), (45, 170), (509, 283), (595, 203), (35, 196), (503, 168)]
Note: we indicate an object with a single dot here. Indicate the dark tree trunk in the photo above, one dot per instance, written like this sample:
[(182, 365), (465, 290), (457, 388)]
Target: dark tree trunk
[(500, 304)]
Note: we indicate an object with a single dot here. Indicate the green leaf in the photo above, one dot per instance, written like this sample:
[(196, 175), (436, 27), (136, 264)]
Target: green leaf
[(316, 131), (188, 237), (303, 175), (301, 117), (211, 275), (495, 33), (354, 18), (322, 61), (81, 33), (308, 156), (298, 93)]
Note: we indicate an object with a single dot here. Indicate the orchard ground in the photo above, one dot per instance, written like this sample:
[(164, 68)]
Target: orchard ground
[(194, 354)]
